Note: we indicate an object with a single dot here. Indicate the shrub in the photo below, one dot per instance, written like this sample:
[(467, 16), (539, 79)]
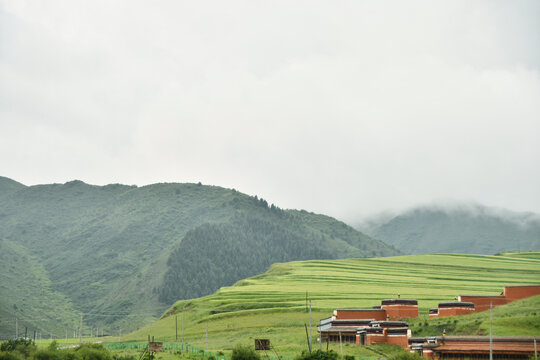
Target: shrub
[(405, 355), (318, 355), (123, 357), (244, 352), (10, 345), (18, 348), (4, 355), (93, 352), (45, 355)]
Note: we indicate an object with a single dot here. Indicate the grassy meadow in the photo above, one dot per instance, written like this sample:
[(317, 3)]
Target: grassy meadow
[(273, 305)]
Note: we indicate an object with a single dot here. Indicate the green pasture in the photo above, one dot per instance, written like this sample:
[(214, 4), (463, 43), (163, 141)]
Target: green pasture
[(273, 305), (522, 254)]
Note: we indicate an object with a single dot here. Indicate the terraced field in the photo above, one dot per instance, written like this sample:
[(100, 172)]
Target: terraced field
[(273, 305)]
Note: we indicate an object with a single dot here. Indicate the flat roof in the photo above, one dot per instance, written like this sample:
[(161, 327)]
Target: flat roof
[(379, 330), (390, 323), (486, 296), (352, 321), (399, 302), (460, 304), (369, 309), (476, 338), (342, 329)]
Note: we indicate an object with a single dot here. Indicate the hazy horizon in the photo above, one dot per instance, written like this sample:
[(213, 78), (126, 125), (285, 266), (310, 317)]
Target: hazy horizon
[(347, 109)]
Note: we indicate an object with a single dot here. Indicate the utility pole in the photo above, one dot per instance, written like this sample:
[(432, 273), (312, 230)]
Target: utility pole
[(176, 321), (183, 307), (340, 344), (307, 338), (80, 330), (16, 328), (490, 330), (310, 324)]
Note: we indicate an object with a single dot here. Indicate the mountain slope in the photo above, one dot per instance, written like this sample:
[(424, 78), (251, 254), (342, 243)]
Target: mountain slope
[(8, 186), (472, 229), (27, 294), (107, 249)]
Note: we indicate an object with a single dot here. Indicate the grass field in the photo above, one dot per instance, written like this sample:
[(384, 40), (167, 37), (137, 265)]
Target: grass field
[(273, 305)]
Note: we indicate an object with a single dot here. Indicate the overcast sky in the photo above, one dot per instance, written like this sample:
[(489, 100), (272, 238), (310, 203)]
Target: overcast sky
[(341, 107)]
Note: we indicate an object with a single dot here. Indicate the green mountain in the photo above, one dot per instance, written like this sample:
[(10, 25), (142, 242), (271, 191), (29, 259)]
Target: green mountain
[(121, 254), (471, 229)]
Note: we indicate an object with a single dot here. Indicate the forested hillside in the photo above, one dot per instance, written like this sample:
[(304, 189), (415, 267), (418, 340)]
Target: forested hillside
[(214, 255), (122, 254), (469, 228)]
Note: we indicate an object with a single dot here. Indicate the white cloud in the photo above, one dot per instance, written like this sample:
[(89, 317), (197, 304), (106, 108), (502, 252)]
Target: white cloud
[(345, 108)]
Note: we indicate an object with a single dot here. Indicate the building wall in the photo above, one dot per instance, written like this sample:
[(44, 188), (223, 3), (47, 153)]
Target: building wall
[(454, 311), (353, 314), (400, 340), (481, 303), (346, 337), (398, 312), (513, 293)]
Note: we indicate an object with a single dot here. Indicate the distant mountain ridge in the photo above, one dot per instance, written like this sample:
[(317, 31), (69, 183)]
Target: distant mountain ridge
[(458, 228), (122, 254)]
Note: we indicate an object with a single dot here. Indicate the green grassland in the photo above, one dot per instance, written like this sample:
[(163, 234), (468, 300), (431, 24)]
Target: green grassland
[(522, 254), (273, 305)]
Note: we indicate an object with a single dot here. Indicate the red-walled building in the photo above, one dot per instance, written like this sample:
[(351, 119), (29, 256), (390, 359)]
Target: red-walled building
[(344, 314), (509, 294), (385, 332), (513, 293), (452, 308), (380, 324), (364, 332), (397, 309), (474, 347), (370, 326), (482, 302)]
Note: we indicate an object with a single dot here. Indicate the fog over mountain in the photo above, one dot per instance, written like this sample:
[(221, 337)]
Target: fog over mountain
[(456, 228)]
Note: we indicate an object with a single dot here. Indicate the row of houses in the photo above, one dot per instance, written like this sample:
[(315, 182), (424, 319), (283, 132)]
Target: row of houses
[(466, 304), (385, 324), (474, 347)]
